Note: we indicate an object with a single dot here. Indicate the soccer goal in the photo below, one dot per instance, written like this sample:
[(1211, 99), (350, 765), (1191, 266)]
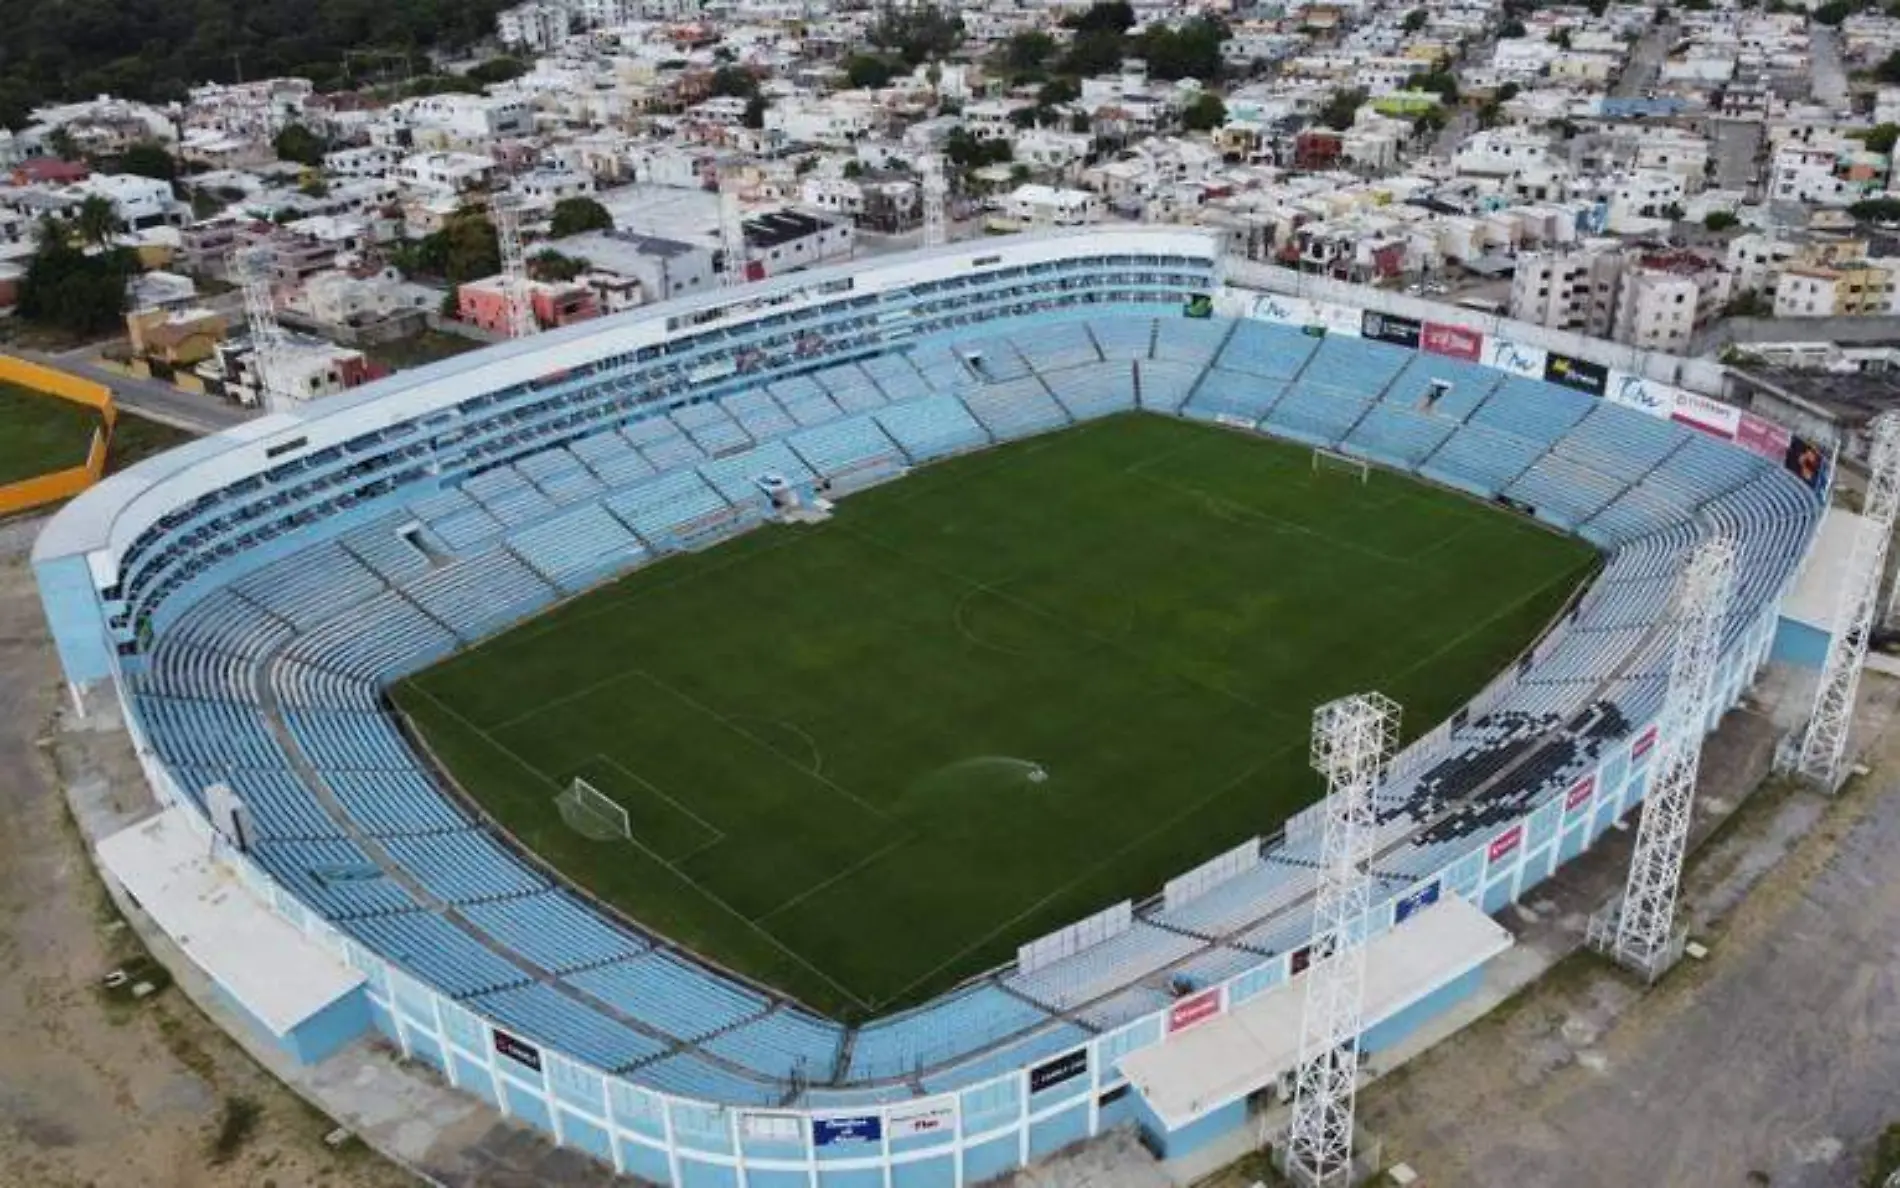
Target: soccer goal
[(592, 813), (1329, 461)]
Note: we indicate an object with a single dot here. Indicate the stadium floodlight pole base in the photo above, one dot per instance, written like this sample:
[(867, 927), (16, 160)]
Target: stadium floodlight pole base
[(1366, 1160), (1600, 932)]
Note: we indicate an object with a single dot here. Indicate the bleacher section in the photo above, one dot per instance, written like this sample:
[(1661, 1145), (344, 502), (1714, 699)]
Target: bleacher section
[(261, 679)]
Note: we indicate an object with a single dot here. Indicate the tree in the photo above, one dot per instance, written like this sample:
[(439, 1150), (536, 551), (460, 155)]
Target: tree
[(868, 72), (299, 144), (1832, 13), (97, 221), (1561, 38), (1748, 305), (1094, 51), (1511, 28), (1205, 114), (1117, 16), (550, 265), (1058, 91), (754, 114), (1880, 138), (1720, 220), (497, 70), (1876, 210), (735, 81), (1428, 123), (1441, 82), (72, 290), (1889, 69), (1415, 20), (918, 34), (1192, 50), (967, 152), (464, 249), (1507, 92), (1341, 109), (573, 216), (1028, 52), (147, 158)]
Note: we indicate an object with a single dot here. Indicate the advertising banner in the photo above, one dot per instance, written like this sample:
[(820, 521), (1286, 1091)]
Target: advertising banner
[(1710, 416), (1415, 902), (911, 1121), (1051, 1073), (1515, 357), (1645, 742), (1761, 437), (519, 1051), (856, 1128), (1580, 793), (1580, 374), (1643, 395), (1195, 1008), (1504, 843), (1289, 311), (1807, 461), (1390, 328), (1457, 342)]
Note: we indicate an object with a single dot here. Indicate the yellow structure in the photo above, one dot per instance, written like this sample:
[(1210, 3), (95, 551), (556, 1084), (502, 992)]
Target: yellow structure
[(43, 489)]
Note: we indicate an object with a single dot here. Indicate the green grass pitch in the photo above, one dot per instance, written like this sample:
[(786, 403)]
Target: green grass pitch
[(823, 735)]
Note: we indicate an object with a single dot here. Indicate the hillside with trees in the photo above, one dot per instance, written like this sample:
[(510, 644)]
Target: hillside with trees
[(154, 50)]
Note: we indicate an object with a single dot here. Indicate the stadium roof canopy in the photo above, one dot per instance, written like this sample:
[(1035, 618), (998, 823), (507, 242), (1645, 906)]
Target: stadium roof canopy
[(281, 978), (1223, 1060)]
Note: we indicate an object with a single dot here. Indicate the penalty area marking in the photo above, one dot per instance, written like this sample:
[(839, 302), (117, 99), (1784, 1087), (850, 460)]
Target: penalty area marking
[(717, 834)]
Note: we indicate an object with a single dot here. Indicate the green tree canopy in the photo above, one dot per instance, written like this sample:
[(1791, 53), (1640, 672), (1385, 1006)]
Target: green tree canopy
[(298, 143), (1205, 114), (72, 290), (147, 158), (572, 216)]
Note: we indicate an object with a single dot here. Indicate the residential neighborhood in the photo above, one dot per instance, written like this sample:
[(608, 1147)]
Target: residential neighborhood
[(1631, 172)]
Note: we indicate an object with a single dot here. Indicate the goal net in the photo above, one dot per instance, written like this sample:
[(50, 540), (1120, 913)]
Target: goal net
[(592, 813), (1326, 461)]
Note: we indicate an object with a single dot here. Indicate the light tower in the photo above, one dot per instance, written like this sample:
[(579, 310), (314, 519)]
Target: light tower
[(255, 265), (514, 266), (1824, 744), (1645, 938), (1353, 739), (935, 231), (731, 234)]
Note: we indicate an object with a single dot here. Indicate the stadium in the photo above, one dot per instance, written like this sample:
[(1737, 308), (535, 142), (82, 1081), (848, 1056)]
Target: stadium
[(852, 728)]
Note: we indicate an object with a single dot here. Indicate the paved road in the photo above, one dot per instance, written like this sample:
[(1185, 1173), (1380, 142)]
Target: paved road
[(1829, 77), (159, 400), (1645, 62)]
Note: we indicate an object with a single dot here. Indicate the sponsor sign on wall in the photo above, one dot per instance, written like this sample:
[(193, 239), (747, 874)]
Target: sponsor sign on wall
[(1645, 742), (1580, 374), (1051, 1073), (1765, 438), (1459, 342), (1195, 1008), (1710, 416), (1504, 843), (912, 1121), (1808, 462), (1390, 328), (1289, 311), (1302, 958), (851, 1128), (520, 1051), (772, 1128), (1643, 395), (1518, 358), (1580, 793), (1415, 902)]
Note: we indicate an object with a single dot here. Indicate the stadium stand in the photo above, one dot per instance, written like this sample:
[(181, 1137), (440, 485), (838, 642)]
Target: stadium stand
[(234, 617)]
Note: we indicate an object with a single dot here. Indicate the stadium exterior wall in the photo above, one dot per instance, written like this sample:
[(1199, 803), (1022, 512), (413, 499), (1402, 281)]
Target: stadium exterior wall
[(948, 1140)]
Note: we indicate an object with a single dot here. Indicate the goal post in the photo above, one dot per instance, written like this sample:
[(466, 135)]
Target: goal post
[(1325, 460), (592, 813)]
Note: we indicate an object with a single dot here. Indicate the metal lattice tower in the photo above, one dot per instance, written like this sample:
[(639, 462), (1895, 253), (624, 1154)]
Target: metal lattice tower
[(255, 265), (1646, 919), (1824, 745), (935, 227), (514, 266), (1353, 739), (731, 234)]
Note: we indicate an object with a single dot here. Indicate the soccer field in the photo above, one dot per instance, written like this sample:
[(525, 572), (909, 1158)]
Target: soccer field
[(824, 737)]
